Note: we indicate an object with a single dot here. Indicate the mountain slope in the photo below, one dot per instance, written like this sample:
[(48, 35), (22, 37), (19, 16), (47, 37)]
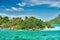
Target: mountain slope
[(56, 20)]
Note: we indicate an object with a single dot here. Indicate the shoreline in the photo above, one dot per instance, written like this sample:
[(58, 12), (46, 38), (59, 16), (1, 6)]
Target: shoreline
[(31, 29)]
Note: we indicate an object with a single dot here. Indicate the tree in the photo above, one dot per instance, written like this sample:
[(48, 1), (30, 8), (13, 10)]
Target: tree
[(1, 20), (28, 23), (55, 20), (32, 22), (15, 22), (26, 17), (4, 21)]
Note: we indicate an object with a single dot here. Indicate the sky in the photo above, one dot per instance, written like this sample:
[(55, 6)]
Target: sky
[(41, 9)]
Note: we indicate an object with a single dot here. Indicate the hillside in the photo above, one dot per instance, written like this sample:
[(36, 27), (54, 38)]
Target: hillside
[(56, 20)]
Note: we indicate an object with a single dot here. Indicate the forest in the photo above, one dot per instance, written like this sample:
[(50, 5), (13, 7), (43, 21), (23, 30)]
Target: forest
[(27, 23)]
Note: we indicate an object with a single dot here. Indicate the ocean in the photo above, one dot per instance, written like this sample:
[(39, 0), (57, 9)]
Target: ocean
[(29, 34)]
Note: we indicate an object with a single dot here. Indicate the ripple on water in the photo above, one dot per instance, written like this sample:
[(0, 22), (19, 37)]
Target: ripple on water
[(29, 35)]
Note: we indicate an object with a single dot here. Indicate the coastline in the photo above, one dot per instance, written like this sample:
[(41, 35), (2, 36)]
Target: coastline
[(28, 29)]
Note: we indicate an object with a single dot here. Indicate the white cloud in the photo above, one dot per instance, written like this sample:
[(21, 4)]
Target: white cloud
[(22, 4), (3, 14), (15, 9), (56, 4), (52, 3), (7, 9)]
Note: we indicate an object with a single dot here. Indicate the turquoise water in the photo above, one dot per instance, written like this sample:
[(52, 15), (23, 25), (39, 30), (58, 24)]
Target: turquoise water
[(30, 34), (56, 25)]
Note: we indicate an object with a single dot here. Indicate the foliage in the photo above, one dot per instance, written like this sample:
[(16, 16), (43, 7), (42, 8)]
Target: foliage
[(19, 23), (55, 20)]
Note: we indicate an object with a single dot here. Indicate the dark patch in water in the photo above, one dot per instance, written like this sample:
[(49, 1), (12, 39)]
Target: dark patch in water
[(18, 38), (44, 35)]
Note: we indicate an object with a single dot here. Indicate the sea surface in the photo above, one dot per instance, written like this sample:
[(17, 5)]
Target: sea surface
[(29, 34)]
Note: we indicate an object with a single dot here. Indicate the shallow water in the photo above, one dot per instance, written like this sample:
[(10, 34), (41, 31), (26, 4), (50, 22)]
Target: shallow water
[(29, 35), (49, 34)]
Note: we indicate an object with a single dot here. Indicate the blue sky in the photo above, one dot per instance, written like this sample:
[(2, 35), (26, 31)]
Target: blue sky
[(41, 9)]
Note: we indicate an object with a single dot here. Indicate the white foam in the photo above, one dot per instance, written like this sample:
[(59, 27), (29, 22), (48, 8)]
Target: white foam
[(56, 28)]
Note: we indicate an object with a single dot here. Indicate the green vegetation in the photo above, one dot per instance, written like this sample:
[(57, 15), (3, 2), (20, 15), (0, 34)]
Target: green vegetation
[(19, 23), (55, 20)]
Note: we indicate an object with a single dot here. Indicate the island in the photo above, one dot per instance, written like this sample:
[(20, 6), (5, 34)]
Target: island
[(29, 23)]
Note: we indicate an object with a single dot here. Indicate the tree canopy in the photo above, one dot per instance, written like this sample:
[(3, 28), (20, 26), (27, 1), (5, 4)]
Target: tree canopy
[(19, 23), (55, 20)]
